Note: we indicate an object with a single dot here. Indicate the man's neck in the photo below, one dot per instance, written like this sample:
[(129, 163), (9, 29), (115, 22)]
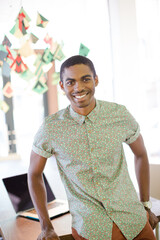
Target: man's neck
[(86, 110)]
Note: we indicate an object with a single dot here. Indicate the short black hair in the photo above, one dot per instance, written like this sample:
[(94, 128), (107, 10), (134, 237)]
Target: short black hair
[(77, 59)]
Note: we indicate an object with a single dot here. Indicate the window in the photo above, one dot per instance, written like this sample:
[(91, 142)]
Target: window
[(148, 19)]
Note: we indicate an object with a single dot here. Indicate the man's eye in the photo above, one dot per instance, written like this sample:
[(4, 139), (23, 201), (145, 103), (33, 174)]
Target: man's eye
[(69, 83), (86, 79)]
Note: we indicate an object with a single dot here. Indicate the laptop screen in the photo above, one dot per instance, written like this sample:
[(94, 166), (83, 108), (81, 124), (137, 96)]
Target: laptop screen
[(18, 192)]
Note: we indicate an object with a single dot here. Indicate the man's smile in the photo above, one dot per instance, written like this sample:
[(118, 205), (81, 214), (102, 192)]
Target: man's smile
[(79, 96)]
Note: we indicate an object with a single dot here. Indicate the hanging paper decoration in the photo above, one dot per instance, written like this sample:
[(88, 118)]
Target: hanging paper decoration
[(7, 90), (6, 69), (56, 78), (6, 42), (58, 54), (40, 87), (16, 31), (41, 21), (22, 24), (4, 106), (27, 75), (26, 49), (32, 70), (83, 50), (18, 65), (48, 39), (3, 53), (47, 56), (53, 46), (11, 55), (39, 64), (33, 38), (24, 17)]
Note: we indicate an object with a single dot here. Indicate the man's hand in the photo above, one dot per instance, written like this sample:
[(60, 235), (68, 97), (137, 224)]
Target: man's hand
[(48, 235), (153, 220)]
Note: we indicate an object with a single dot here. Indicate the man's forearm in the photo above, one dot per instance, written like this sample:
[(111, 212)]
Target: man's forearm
[(38, 195), (143, 176)]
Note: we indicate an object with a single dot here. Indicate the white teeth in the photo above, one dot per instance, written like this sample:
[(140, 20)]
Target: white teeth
[(80, 96)]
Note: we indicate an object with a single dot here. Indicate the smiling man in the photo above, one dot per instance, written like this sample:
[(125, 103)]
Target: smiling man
[(79, 86), (86, 139)]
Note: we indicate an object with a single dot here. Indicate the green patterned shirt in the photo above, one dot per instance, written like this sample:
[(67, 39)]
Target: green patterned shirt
[(92, 165)]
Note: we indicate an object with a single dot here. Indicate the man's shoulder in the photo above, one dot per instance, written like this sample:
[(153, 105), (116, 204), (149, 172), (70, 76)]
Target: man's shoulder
[(111, 106), (61, 115)]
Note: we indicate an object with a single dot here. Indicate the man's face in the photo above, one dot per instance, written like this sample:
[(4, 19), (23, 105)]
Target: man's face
[(79, 86)]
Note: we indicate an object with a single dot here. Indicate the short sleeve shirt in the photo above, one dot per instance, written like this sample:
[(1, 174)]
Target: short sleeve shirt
[(91, 161)]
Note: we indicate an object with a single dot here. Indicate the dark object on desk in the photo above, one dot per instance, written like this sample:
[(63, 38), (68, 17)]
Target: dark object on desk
[(66, 237), (17, 189)]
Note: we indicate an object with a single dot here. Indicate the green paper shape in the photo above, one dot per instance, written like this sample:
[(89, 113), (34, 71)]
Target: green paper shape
[(58, 54), (13, 29), (40, 87), (16, 28), (3, 49), (83, 50), (43, 18), (39, 63), (41, 21), (38, 58), (27, 75), (56, 78), (47, 56)]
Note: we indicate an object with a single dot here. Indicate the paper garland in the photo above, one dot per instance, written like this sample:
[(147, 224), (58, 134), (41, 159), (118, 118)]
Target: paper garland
[(6, 42), (40, 87), (18, 65), (22, 24), (56, 78), (41, 21), (83, 50), (4, 106), (10, 60), (7, 90)]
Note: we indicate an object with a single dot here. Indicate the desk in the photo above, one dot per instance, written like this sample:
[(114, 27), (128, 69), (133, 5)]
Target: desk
[(25, 229), (19, 228)]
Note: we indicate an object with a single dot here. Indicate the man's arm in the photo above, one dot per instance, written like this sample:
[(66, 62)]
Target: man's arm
[(38, 195), (142, 174)]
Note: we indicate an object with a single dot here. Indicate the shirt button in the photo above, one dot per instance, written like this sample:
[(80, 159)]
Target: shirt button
[(92, 149)]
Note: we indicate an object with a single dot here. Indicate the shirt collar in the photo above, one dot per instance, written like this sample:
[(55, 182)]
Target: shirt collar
[(92, 116)]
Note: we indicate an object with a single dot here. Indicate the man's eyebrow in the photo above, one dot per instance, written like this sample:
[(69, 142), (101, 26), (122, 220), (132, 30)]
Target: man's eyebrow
[(69, 79), (87, 75), (73, 79)]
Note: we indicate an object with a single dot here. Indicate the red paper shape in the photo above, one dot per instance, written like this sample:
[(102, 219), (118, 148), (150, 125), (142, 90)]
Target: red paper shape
[(18, 65)]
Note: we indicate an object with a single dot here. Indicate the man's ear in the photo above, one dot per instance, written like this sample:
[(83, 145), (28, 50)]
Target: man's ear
[(61, 85), (96, 80)]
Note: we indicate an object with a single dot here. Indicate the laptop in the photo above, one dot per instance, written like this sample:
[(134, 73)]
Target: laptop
[(17, 189)]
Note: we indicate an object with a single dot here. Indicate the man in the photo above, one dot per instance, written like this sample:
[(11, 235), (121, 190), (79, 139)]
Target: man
[(86, 139)]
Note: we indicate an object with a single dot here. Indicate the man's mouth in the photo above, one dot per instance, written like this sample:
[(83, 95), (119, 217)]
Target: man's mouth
[(80, 96)]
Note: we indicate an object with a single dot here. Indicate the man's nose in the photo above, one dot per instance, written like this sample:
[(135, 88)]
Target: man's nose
[(79, 86)]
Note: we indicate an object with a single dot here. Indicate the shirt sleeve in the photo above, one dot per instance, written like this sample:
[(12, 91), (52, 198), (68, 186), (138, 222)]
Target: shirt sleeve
[(132, 128), (42, 143)]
